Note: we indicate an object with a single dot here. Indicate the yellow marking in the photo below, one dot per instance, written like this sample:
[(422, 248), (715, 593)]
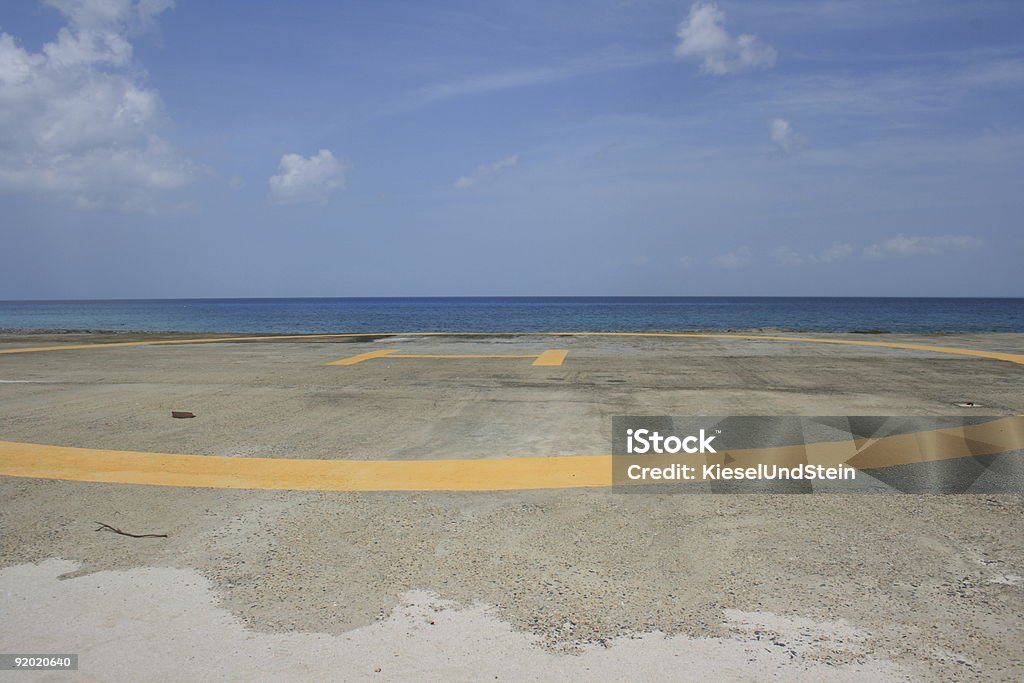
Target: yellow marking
[(551, 358), (352, 360), (204, 340), (455, 355), (164, 469), (493, 474), (995, 355)]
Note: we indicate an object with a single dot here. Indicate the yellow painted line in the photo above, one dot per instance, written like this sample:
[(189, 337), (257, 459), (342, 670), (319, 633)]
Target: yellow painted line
[(551, 358), (455, 355), (352, 360), (204, 340), (995, 355), (165, 469), (495, 474), (979, 353)]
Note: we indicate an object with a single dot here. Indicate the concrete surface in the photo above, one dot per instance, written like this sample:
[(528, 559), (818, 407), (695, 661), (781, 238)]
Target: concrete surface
[(816, 586)]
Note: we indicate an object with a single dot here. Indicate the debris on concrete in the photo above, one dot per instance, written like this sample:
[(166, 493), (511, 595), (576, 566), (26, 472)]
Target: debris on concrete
[(107, 527)]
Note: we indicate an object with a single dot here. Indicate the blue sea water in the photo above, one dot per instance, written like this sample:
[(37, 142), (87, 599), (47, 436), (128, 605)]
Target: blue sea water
[(506, 314)]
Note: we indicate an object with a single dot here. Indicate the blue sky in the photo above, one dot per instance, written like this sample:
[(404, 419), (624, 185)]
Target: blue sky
[(205, 149)]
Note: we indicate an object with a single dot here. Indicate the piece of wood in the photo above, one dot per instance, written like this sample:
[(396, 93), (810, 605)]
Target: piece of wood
[(182, 413)]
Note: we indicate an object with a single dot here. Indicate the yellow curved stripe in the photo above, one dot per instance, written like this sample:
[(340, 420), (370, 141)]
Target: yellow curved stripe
[(994, 355), (497, 474), (207, 471)]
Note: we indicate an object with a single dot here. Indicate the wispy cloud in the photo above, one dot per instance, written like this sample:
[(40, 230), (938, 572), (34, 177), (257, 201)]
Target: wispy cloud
[(902, 246), (899, 246), (738, 258), (913, 89), (509, 79), (791, 257), (993, 73), (485, 171)]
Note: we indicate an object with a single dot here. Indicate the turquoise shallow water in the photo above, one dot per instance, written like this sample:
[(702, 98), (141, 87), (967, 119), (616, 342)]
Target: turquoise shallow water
[(504, 314)]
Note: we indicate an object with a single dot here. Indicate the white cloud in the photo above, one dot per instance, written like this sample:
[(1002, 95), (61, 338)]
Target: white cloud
[(783, 135), (302, 180), (902, 246), (740, 258), (703, 36), (121, 16), (485, 171), (77, 122), (791, 257)]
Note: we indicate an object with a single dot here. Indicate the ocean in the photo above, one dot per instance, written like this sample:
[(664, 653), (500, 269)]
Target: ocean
[(508, 314)]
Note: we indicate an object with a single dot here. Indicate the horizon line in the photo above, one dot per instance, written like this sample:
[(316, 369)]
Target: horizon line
[(507, 296)]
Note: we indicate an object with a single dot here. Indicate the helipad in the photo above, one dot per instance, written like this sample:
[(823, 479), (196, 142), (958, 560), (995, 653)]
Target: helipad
[(438, 411), (313, 495)]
